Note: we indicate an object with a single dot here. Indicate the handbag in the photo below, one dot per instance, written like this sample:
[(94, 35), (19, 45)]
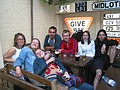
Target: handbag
[(73, 81)]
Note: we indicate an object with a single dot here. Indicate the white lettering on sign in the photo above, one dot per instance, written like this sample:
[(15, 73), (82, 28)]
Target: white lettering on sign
[(64, 8), (106, 5), (113, 34), (112, 28), (111, 16), (111, 22)]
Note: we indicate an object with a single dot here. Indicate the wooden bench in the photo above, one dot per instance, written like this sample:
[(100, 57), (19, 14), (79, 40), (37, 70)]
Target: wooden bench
[(5, 75)]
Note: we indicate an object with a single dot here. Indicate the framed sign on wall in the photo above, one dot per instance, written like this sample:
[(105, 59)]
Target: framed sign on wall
[(75, 24), (111, 23)]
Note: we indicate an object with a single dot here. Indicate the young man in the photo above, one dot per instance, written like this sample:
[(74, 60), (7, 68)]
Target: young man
[(101, 59), (52, 40), (68, 45)]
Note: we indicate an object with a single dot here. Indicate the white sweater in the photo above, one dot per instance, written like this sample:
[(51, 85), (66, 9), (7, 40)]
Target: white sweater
[(89, 49)]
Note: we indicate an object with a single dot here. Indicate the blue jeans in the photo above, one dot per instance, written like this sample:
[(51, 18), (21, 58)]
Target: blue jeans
[(83, 86)]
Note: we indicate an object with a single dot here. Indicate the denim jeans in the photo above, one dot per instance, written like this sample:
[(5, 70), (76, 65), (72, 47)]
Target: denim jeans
[(83, 86)]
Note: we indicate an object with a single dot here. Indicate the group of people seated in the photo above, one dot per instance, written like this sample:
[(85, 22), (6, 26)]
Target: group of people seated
[(38, 61)]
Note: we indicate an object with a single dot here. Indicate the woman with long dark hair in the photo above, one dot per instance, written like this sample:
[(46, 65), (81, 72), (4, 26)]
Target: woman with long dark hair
[(101, 59), (86, 45)]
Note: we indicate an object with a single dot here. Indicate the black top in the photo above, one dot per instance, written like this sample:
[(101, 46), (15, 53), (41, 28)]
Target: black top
[(77, 35), (98, 47)]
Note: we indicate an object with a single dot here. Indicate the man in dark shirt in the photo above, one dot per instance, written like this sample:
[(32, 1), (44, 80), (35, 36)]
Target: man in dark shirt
[(101, 59), (52, 40)]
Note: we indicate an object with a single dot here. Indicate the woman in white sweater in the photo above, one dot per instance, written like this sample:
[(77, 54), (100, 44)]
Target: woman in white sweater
[(86, 45)]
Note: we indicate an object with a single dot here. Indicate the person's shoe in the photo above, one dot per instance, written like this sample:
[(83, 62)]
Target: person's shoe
[(111, 66)]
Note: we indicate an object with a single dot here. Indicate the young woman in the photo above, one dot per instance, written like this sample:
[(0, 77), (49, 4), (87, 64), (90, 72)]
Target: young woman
[(101, 59), (11, 55), (19, 42), (86, 45), (27, 57)]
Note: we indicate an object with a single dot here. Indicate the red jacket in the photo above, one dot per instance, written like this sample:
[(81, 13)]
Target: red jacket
[(69, 48)]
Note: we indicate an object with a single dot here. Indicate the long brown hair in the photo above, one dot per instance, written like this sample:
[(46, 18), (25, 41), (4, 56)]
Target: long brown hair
[(38, 42), (89, 38), (97, 40)]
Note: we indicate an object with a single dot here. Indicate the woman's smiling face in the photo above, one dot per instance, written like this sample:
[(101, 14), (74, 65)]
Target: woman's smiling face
[(40, 53)]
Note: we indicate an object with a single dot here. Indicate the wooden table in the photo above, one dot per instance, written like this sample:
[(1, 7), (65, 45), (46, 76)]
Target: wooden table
[(79, 68), (113, 73)]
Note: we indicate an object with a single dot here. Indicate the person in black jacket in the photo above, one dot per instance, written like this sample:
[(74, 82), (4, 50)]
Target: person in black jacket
[(77, 35), (101, 58)]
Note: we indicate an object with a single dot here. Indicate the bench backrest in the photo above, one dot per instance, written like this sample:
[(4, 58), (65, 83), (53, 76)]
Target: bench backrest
[(4, 74)]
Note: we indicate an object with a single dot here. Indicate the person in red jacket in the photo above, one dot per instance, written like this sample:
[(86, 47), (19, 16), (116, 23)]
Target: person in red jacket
[(68, 45)]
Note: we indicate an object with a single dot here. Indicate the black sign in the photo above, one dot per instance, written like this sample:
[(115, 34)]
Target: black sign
[(80, 6)]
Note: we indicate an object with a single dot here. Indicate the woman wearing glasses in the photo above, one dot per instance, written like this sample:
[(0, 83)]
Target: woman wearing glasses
[(19, 42)]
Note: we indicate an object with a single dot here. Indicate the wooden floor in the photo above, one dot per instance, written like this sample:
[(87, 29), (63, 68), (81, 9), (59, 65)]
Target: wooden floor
[(113, 73)]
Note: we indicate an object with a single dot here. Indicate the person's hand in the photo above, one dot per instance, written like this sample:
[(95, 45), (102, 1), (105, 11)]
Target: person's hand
[(60, 50), (66, 76), (103, 49), (18, 71), (52, 59), (47, 56)]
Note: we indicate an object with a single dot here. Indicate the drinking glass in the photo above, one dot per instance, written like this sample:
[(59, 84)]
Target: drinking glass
[(77, 56), (64, 54), (57, 52), (84, 54)]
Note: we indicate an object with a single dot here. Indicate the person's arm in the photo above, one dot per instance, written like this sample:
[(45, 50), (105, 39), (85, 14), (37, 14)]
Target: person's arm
[(18, 71), (79, 48), (59, 63), (7, 56), (39, 66), (51, 48), (46, 45), (22, 57), (111, 42), (57, 42), (103, 49), (93, 48)]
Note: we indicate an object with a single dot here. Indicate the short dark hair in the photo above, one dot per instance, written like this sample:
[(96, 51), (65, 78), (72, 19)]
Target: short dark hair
[(53, 27)]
